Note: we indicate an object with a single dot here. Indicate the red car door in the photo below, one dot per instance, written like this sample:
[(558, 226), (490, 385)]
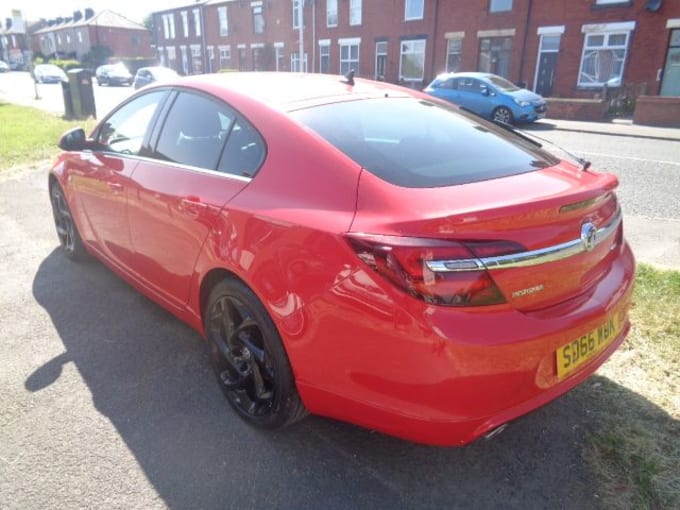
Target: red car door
[(101, 178), (178, 193)]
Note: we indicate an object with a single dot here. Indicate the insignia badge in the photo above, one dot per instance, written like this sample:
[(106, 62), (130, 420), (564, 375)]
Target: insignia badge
[(588, 236)]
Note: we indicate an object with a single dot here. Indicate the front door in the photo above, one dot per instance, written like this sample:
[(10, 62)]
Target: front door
[(547, 64), (181, 188), (101, 179), (670, 86), (545, 76)]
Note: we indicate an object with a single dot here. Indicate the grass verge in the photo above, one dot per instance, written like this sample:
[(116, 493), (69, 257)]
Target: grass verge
[(634, 449), (28, 135)]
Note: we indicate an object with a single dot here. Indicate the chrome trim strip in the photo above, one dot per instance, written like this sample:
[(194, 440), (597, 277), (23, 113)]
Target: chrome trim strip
[(527, 258)]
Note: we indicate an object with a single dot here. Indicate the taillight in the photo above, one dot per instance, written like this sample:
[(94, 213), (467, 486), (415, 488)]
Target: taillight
[(439, 272)]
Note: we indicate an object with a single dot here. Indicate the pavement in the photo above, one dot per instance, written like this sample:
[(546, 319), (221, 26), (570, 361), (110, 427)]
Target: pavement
[(615, 127)]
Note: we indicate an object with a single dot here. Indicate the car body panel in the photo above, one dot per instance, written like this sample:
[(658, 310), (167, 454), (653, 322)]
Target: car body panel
[(48, 73), (361, 349)]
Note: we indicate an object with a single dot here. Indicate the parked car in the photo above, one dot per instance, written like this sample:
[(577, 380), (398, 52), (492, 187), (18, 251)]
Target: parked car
[(113, 74), (354, 249), (490, 96), (48, 73), (148, 75), (4, 68)]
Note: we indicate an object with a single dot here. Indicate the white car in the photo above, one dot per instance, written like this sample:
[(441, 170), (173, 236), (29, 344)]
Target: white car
[(48, 73)]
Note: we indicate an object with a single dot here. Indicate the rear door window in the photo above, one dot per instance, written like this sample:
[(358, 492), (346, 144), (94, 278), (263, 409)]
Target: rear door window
[(420, 144)]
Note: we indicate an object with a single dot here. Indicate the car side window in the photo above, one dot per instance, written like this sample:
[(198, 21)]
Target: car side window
[(245, 150), (451, 84), (194, 131), (124, 131), (466, 84)]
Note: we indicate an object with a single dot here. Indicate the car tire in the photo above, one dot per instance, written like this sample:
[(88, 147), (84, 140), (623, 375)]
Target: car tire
[(248, 357), (502, 114), (67, 232)]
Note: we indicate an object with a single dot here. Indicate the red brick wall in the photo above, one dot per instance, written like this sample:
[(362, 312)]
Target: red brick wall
[(657, 111), (123, 42)]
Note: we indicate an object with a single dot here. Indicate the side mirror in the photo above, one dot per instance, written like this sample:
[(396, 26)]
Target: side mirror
[(485, 92), (73, 140)]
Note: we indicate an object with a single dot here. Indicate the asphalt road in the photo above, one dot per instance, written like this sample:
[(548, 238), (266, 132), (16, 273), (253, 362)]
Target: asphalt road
[(108, 402), (19, 87)]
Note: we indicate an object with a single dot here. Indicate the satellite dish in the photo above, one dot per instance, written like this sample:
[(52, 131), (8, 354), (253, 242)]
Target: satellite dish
[(653, 5)]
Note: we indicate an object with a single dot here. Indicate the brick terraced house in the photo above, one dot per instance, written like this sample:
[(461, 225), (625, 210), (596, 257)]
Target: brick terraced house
[(558, 48)]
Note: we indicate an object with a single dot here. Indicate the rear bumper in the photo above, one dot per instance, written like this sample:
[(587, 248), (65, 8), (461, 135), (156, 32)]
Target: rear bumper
[(442, 376)]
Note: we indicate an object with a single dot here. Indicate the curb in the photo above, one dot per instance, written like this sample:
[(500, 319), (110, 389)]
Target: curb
[(609, 133)]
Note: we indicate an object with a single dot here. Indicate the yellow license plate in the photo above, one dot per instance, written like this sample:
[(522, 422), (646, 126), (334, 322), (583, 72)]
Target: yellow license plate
[(579, 351)]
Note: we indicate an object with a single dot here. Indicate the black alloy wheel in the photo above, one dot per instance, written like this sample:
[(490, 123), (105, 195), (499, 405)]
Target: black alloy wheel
[(69, 238), (503, 114), (248, 357)]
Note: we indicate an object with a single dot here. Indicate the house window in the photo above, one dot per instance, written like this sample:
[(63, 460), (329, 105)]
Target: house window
[(169, 26), (500, 5), (454, 50), (295, 62), (172, 56), (355, 12), (258, 60), (68, 40), (349, 56), (80, 37), (332, 13), (380, 60), (185, 23), (604, 54), (258, 19), (211, 59), (412, 63), (494, 55), (413, 9), (325, 58), (224, 22), (225, 57), (197, 21), (297, 13), (185, 59), (606, 2)]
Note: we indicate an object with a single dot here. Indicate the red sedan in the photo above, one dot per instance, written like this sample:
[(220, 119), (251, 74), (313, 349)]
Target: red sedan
[(354, 250)]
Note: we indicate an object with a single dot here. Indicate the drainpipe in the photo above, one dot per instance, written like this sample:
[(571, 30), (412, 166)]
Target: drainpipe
[(433, 59), (524, 42), (313, 66), (206, 55)]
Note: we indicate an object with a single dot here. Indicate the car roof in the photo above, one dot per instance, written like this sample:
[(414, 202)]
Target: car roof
[(289, 91), (466, 74)]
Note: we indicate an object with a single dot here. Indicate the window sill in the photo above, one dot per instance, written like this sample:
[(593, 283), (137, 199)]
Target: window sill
[(622, 3)]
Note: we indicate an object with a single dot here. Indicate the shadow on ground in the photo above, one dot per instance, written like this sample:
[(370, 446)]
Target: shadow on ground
[(149, 375)]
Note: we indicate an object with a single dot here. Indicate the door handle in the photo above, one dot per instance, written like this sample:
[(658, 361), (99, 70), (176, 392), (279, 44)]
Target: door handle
[(193, 207), (115, 186)]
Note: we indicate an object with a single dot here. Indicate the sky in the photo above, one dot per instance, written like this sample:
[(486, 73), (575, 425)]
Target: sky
[(134, 10)]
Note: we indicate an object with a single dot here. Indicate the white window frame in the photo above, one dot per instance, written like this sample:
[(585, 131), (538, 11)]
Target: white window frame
[(278, 54), (380, 53), (414, 44), (185, 23), (331, 13), (225, 55), (223, 20), (297, 5), (325, 51), (349, 43), (355, 12), (502, 5), (414, 5), (459, 40), (257, 9), (197, 21), (606, 30), (294, 62), (80, 36)]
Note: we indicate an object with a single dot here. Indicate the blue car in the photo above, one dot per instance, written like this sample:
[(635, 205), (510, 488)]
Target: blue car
[(490, 96)]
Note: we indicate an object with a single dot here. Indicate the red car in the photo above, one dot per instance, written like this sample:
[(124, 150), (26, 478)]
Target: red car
[(354, 250)]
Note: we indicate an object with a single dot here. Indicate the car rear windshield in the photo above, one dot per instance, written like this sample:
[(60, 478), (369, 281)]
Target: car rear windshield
[(416, 143)]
